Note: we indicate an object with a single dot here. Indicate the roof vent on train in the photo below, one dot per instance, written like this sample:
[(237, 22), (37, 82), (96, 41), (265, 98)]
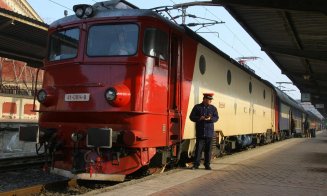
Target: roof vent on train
[(87, 11)]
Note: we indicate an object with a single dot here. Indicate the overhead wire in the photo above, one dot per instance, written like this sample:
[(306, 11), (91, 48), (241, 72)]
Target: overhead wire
[(231, 46), (217, 35), (60, 4), (245, 46)]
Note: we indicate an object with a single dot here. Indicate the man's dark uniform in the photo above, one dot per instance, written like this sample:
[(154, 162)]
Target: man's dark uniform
[(204, 131)]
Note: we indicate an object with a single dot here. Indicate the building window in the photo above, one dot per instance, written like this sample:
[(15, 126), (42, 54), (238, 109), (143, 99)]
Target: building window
[(250, 87), (264, 94), (9, 108)]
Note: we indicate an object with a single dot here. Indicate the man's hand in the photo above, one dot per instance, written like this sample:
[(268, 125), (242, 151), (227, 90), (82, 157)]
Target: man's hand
[(208, 117), (202, 118)]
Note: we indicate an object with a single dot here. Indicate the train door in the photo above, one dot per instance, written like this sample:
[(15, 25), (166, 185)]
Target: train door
[(174, 88), (290, 123), (251, 112)]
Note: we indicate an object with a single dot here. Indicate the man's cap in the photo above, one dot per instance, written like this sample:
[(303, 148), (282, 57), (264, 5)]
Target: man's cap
[(208, 95)]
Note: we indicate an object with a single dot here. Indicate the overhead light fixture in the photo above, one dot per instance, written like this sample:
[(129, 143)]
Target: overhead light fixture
[(83, 10)]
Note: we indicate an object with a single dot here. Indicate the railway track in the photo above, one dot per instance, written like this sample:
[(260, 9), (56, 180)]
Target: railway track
[(55, 185), (24, 162), (39, 188)]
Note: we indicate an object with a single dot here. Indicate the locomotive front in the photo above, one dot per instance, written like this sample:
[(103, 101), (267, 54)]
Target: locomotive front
[(98, 104)]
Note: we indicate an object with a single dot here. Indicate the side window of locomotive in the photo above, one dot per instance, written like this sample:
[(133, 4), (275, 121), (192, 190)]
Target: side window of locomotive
[(202, 65), (112, 40), (64, 44), (155, 43), (229, 77)]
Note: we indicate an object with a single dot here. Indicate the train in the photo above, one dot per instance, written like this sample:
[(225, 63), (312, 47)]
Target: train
[(107, 112)]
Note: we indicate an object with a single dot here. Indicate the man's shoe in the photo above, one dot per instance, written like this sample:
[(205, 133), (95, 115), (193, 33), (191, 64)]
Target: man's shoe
[(208, 168), (195, 167)]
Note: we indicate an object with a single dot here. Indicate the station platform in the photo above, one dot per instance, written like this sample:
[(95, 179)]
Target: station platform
[(10, 146), (296, 166)]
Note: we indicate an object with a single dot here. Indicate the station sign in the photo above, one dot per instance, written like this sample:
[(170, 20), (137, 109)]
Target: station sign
[(305, 97)]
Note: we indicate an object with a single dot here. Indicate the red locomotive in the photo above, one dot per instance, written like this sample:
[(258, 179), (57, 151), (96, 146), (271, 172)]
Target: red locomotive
[(119, 84)]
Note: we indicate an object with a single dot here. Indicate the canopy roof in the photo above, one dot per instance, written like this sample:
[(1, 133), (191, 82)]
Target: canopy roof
[(22, 38)]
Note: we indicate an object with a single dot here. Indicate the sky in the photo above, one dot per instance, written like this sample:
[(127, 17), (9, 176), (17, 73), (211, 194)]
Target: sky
[(228, 37)]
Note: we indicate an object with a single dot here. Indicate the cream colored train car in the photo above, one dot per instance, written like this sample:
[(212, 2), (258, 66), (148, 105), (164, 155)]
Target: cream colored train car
[(244, 101)]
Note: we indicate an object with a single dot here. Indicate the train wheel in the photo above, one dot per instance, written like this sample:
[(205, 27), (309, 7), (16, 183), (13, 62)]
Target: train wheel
[(215, 151), (156, 170), (184, 159), (262, 140), (142, 172)]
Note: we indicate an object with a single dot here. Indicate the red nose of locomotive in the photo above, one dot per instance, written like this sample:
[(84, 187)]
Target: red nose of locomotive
[(97, 93)]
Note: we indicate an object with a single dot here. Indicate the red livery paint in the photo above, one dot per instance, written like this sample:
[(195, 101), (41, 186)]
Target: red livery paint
[(134, 102)]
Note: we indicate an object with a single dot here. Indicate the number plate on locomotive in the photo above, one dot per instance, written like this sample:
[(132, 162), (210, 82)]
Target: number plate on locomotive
[(77, 97)]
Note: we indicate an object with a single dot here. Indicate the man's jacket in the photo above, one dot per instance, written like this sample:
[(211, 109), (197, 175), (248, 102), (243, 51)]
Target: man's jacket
[(204, 128)]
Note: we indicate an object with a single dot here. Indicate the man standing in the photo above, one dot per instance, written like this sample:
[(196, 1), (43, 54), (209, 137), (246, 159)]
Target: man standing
[(306, 128), (204, 115)]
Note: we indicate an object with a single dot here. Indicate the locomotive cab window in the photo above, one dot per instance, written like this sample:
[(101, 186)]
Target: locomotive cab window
[(155, 43), (112, 40), (64, 44)]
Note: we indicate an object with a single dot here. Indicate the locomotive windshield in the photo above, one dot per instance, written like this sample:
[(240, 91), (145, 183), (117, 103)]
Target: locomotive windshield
[(112, 40), (64, 44)]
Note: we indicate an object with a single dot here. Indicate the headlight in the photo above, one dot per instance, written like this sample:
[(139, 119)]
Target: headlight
[(83, 10), (76, 137), (88, 11), (111, 94), (79, 12), (46, 96), (41, 96), (118, 95)]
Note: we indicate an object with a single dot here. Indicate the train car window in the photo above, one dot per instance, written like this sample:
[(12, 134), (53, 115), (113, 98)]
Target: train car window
[(155, 43), (229, 77), (202, 64), (64, 44), (250, 87), (264, 94), (112, 40)]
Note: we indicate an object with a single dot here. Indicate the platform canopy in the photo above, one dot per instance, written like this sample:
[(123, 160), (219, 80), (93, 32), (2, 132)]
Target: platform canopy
[(294, 35), (22, 38)]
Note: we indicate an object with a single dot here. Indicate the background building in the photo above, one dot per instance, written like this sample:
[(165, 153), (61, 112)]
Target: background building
[(15, 76), (17, 89)]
